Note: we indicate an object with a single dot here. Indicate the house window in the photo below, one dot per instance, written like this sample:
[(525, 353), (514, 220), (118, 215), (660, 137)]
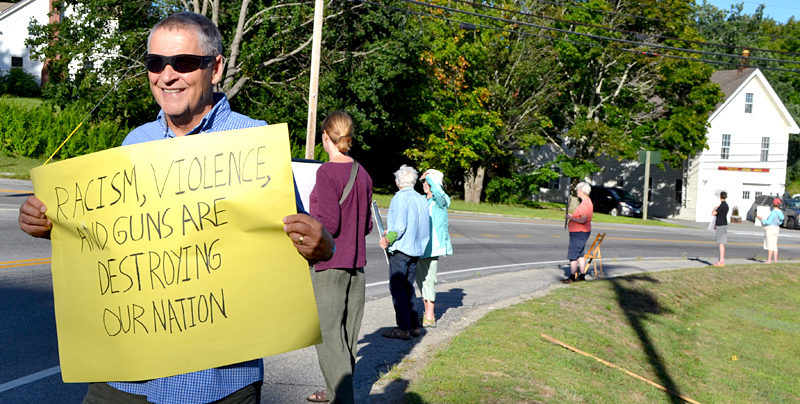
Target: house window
[(764, 148), (748, 103), (758, 193), (16, 61), (726, 146), (745, 194), (678, 190)]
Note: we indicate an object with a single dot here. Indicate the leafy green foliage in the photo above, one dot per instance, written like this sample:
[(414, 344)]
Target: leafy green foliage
[(18, 83), (38, 131), (613, 103), (515, 190)]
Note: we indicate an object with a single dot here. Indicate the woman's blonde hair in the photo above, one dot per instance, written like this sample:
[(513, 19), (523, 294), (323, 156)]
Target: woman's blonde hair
[(339, 127)]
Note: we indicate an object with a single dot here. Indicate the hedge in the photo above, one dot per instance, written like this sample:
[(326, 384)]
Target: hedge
[(37, 131)]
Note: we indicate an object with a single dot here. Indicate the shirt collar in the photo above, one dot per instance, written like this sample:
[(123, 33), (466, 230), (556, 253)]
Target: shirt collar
[(220, 111)]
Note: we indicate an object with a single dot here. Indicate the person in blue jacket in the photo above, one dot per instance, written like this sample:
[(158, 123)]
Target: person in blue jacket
[(438, 245), (407, 232)]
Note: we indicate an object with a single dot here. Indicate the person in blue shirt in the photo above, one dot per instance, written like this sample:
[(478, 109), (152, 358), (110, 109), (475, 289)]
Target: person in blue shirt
[(772, 226), (184, 62), (407, 232), (438, 245)]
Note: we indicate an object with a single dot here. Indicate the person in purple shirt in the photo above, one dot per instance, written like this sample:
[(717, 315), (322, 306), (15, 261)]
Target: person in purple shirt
[(340, 200), (184, 62)]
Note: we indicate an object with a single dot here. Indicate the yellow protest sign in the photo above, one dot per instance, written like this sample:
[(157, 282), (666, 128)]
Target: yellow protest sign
[(170, 256)]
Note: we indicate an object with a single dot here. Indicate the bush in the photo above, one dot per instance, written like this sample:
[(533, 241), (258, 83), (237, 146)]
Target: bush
[(518, 188), (20, 84), (38, 131)]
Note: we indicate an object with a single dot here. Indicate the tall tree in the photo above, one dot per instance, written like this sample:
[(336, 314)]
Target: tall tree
[(100, 44), (612, 101), (484, 90)]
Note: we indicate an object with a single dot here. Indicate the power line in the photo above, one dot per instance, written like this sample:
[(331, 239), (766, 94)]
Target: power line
[(555, 3), (593, 36), (649, 18), (524, 33), (729, 46)]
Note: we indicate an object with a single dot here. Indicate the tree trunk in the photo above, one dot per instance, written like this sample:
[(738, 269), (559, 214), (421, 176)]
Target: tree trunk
[(473, 184)]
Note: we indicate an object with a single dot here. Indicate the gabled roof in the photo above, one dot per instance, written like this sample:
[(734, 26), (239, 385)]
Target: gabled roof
[(732, 82), (6, 9)]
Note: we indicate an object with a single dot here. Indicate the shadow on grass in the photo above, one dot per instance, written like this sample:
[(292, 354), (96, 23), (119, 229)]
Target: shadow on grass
[(637, 306)]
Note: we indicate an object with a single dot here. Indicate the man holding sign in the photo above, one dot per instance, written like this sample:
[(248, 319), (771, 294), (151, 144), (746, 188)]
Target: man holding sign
[(184, 62)]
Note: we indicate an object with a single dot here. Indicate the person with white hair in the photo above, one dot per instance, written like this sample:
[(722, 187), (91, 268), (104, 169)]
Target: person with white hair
[(438, 245), (407, 234), (580, 227)]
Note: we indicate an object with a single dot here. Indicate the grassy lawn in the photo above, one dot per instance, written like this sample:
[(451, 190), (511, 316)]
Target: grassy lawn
[(726, 335), (19, 101), (17, 167), (549, 211)]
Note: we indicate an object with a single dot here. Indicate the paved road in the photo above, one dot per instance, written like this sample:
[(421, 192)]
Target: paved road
[(516, 256)]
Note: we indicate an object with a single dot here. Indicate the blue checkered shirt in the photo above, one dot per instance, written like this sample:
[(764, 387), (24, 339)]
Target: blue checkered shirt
[(211, 384)]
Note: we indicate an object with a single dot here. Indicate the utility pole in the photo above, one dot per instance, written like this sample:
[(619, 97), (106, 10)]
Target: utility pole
[(313, 87), (646, 184), (647, 157)]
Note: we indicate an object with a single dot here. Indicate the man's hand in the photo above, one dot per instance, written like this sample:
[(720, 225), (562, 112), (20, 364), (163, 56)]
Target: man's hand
[(32, 219), (384, 243), (310, 238)]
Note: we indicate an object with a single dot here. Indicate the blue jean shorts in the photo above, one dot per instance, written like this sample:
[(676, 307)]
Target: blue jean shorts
[(577, 243)]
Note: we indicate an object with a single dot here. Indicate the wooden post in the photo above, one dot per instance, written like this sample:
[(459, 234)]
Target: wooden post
[(311, 127)]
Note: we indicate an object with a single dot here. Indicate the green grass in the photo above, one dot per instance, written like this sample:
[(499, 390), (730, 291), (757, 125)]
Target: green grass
[(726, 335), (17, 167), (548, 211), (19, 101)]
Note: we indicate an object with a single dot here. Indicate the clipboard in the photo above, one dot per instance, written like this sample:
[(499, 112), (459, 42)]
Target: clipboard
[(376, 215)]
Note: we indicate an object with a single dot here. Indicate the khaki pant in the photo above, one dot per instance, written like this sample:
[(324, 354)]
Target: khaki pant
[(340, 303)]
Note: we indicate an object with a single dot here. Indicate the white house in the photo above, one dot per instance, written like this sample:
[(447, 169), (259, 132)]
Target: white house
[(748, 139), (14, 20)]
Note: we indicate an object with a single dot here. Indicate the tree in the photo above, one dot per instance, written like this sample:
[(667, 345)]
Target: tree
[(763, 38), (612, 101), (99, 46), (482, 101)]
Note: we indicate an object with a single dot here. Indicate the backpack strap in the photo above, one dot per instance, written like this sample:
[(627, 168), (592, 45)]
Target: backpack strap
[(350, 182)]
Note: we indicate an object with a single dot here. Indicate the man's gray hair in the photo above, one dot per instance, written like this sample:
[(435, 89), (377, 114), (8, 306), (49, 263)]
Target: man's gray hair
[(208, 35), (584, 187), (405, 177)]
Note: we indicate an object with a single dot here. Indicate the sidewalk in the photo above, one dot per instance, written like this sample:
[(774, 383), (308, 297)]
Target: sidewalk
[(292, 376)]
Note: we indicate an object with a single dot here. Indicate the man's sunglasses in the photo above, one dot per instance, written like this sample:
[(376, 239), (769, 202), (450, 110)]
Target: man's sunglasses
[(179, 63)]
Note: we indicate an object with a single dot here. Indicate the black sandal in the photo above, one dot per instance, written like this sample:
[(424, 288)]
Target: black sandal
[(397, 333)]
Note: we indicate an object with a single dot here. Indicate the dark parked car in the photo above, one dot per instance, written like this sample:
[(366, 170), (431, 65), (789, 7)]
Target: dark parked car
[(789, 207), (615, 201)]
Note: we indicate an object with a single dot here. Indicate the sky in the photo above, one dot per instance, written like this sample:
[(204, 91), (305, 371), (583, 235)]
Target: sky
[(778, 10)]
